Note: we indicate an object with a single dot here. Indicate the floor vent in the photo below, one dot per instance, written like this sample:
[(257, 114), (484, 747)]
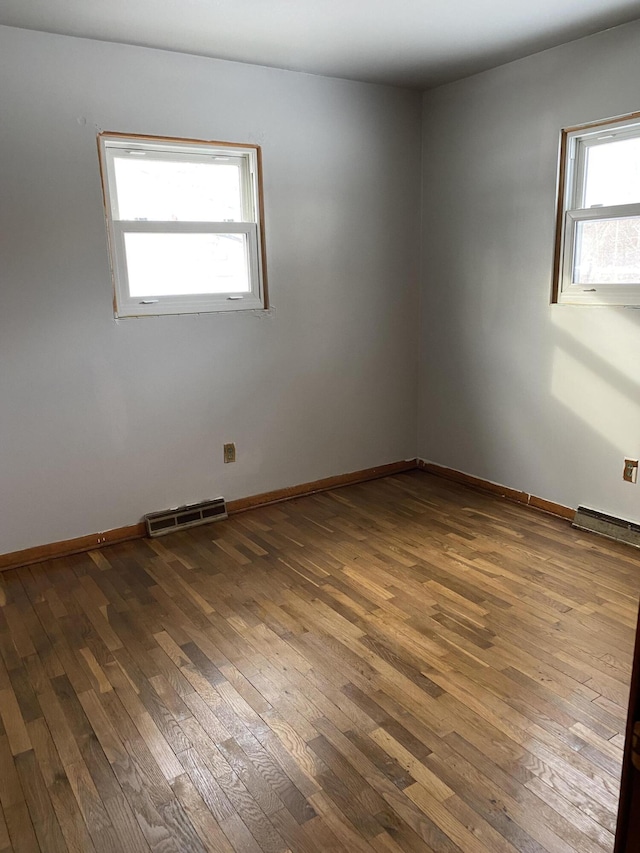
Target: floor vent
[(607, 525), (159, 523)]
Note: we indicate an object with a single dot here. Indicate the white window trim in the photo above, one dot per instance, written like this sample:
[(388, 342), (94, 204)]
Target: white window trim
[(572, 182), (110, 144)]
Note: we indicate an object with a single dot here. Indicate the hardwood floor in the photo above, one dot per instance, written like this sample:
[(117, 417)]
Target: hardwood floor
[(403, 665)]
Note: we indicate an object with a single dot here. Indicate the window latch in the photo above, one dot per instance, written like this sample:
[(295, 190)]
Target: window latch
[(149, 301), (235, 297)]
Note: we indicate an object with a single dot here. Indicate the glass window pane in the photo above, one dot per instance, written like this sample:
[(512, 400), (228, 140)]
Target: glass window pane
[(186, 264), (177, 191), (608, 251), (613, 173)]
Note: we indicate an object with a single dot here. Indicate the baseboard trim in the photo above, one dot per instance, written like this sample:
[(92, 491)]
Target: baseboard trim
[(324, 485), (509, 494), (66, 548), (41, 553), (551, 507)]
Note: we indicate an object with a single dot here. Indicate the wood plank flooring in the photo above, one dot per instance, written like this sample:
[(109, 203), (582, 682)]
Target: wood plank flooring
[(403, 665)]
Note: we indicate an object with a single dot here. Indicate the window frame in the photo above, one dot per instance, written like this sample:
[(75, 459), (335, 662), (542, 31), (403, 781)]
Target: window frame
[(574, 143), (111, 145)]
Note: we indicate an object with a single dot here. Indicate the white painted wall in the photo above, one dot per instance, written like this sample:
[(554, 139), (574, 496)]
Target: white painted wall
[(538, 397), (102, 421)]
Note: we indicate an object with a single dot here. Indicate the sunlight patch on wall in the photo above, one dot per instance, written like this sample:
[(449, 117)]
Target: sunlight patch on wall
[(608, 335), (607, 411)]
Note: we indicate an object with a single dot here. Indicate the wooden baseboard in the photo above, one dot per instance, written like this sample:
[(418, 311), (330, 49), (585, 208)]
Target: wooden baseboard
[(320, 486), (41, 553), (66, 548), (496, 489), (551, 507)]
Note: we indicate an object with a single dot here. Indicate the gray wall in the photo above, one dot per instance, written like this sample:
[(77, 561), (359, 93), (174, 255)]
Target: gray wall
[(102, 421), (535, 396)]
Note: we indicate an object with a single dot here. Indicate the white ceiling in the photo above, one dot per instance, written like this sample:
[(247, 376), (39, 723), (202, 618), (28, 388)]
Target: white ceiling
[(419, 43)]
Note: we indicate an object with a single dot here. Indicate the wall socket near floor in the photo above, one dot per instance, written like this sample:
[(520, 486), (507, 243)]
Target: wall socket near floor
[(230, 453), (630, 473)]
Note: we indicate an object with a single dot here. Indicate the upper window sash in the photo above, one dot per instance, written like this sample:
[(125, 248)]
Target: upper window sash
[(578, 144), (245, 161)]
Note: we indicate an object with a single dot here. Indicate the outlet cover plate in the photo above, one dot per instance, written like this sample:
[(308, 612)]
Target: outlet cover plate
[(630, 473)]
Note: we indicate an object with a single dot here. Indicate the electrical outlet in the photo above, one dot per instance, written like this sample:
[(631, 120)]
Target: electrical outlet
[(630, 473), (230, 452)]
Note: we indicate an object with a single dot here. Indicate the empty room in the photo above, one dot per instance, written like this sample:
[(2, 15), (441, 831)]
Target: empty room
[(319, 426)]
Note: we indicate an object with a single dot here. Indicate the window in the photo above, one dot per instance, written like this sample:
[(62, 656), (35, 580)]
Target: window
[(598, 237), (184, 223)]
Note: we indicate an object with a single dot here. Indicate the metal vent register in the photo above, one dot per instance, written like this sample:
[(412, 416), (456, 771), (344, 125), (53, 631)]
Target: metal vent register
[(191, 515), (607, 525)]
